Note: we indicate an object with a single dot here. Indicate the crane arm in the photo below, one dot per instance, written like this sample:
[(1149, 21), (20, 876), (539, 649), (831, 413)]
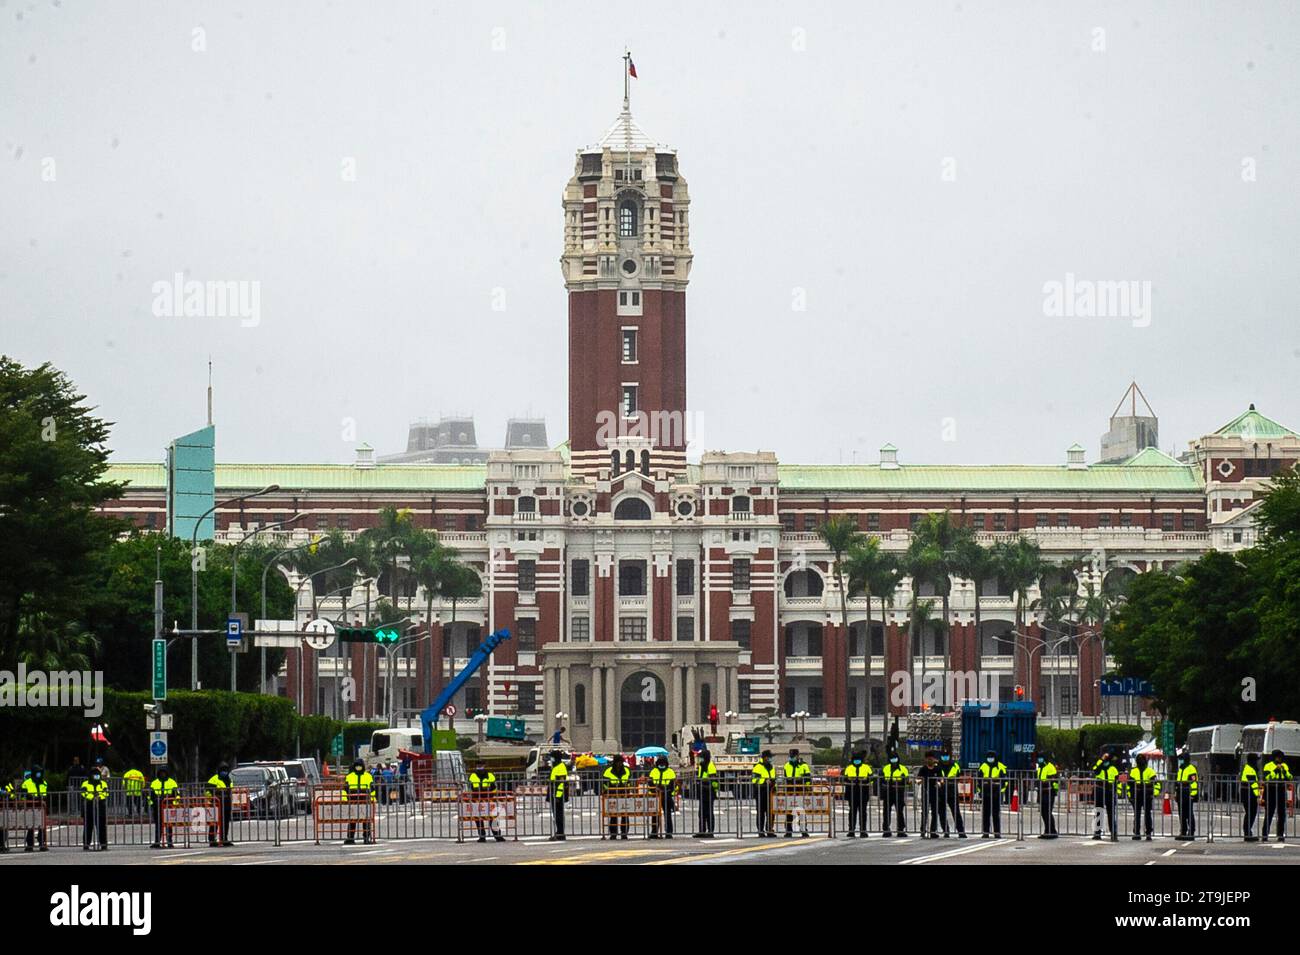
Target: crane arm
[(433, 712)]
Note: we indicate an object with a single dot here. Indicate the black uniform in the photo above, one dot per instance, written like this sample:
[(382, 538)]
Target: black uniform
[(1276, 776), (931, 777), (951, 772), (94, 795), (894, 785)]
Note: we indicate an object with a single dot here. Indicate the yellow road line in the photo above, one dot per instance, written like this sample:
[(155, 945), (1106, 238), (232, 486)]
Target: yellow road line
[(726, 853), (607, 855)]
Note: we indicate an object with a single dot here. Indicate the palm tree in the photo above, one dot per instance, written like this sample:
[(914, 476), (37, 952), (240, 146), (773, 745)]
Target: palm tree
[(940, 541), (57, 648), (920, 619), (978, 564), (922, 562), (841, 536), (1059, 606), (871, 572), (1021, 566), (1095, 609)]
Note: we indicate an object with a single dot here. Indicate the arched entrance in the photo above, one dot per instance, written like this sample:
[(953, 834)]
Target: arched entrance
[(643, 712)]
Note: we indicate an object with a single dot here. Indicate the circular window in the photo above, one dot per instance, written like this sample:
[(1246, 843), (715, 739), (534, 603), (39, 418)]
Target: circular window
[(685, 508), (1226, 468), (579, 508), (629, 266)]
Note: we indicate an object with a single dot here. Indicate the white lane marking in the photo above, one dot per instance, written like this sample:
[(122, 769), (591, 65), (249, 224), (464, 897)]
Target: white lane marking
[(921, 860), (261, 862), (1169, 853), (1152, 862)]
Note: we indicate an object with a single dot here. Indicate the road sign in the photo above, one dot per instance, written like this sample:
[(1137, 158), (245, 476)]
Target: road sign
[(1168, 745), (158, 747), (234, 633), (450, 709), (160, 669), (336, 746), (320, 634)]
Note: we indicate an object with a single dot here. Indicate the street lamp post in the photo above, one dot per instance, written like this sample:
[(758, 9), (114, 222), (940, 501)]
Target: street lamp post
[(265, 570), (234, 578), (296, 594), (194, 576), (1030, 651)]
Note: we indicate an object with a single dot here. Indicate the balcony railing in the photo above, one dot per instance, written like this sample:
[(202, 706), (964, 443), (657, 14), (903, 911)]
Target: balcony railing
[(803, 662)]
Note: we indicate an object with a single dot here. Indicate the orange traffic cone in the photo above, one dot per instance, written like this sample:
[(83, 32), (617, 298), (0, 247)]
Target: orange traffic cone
[(1167, 810), (1015, 800)]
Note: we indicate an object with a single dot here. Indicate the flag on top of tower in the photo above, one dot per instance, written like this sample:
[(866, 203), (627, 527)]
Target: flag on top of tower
[(631, 67)]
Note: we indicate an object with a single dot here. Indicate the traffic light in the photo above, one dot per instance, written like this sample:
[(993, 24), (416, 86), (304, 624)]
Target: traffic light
[(384, 635)]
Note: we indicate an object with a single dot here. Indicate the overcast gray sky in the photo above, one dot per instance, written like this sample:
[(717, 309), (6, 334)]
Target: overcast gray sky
[(815, 139)]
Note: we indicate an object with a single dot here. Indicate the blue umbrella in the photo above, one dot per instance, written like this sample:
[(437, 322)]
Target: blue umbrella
[(651, 751)]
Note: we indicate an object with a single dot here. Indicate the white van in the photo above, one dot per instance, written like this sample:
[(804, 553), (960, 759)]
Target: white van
[(1263, 738), (385, 744)]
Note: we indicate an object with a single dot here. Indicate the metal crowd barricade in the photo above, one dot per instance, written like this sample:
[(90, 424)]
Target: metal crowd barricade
[(197, 816), (619, 805), (18, 817), (799, 803), (487, 813), (332, 810)]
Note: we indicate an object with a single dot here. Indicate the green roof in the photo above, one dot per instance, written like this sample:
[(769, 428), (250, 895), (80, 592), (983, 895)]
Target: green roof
[(1153, 458), (1250, 424), (992, 477), (321, 477)]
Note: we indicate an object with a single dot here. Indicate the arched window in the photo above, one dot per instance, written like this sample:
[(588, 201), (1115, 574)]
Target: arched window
[(627, 218), (632, 509), (613, 463), (645, 462), (631, 461)]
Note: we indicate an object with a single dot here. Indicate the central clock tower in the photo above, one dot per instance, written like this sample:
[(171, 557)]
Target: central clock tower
[(626, 262)]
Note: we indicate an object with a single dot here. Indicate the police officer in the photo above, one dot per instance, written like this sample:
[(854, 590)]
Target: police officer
[(857, 780), (1186, 786), (359, 786), (1145, 788), (951, 772), (35, 789), (706, 784), (133, 785), (163, 791), (763, 779), (219, 785), (664, 780), (618, 776), (1249, 797), (931, 777), (894, 776), (1049, 785), (7, 794), (94, 795), (558, 792), (1276, 775), (483, 782), (798, 775), (1105, 776), (993, 784)]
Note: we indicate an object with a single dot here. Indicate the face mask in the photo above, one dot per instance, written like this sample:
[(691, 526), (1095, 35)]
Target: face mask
[(989, 760), (857, 762), (95, 778), (943, 758)]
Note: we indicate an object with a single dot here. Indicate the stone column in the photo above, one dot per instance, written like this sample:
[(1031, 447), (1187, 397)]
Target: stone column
[(597, 704), (692, 699), (549, 700), (611, 696)]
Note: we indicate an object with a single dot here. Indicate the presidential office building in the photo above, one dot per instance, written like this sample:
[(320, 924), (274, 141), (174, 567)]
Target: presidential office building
[(641, 589)]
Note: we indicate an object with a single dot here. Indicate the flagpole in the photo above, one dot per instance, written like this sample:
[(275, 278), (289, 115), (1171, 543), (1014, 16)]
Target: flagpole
[(626, 57)]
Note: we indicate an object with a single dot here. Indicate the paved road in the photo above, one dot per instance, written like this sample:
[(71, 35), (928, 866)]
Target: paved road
[(686, 851)]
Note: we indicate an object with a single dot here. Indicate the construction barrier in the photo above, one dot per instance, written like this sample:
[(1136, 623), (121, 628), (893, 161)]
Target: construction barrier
[(619, 805), (487, 814), (196, 816), (799, 804), (24, 815), (336, 816)]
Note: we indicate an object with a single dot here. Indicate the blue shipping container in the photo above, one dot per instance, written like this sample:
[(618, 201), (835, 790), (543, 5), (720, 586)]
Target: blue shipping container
[(1009, 729)]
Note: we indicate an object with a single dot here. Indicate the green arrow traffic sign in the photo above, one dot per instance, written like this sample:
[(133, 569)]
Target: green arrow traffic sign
[(386, 635)]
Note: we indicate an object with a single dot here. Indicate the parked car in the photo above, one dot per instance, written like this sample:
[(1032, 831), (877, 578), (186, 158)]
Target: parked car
[(261, 791), (302, 776)]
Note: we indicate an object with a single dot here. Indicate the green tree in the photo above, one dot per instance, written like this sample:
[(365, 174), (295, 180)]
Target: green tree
[(841, 537), (1021, 566), (51, 482), (978, 564), (872, 573)]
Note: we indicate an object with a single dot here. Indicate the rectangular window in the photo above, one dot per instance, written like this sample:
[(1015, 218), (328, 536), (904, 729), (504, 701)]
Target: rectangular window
[(977, 522), (473, 700), (629, 401), (816, 701), (527, 576), (740, 630), (471, 522), (322, 522), (631, 578), (787, 521), (526, 634), (629, 345), (1103, 520), (1126, 520), (631, 628), (685, 578), (810, 523), (1166, 522), (580, 629), (999, 522), (913, 520), (580, 581), (1062, 520), (746, 694), (790, 705), (877, 700), (527, 699), (685, 629), (449, 522), (1040, 520), (740, 574), (873, 522)]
